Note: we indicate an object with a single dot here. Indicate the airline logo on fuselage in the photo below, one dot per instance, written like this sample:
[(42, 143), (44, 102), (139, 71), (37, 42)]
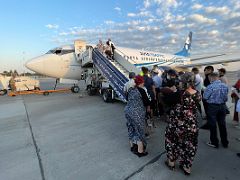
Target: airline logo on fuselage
[(151, 54)]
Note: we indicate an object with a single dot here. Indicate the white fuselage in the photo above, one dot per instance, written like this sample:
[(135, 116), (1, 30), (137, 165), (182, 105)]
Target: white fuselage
[(149, 58), (56, 65), (65, 65)]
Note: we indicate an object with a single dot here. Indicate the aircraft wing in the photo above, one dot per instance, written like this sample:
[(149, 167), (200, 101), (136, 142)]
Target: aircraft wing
[(210, 59)]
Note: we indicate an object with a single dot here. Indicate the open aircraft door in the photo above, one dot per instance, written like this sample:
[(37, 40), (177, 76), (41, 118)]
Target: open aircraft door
[(80, 47)]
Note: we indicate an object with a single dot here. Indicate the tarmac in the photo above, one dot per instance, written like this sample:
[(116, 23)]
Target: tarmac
[(67, 136)]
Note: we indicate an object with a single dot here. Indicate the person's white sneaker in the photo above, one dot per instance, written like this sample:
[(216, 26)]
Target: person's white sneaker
[(238, 126), (212, 145)]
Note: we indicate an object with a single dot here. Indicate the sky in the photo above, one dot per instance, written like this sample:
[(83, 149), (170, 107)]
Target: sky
[(29, 28)]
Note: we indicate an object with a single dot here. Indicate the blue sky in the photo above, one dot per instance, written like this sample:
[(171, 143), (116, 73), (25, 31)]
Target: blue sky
[(30, 28)]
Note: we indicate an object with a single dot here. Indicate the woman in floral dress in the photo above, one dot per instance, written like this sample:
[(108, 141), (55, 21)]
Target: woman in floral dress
[(181, 136), (135, 112)]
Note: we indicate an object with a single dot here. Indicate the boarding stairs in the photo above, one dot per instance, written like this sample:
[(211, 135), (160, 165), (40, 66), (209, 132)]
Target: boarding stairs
[(120, 67), (113, 71)]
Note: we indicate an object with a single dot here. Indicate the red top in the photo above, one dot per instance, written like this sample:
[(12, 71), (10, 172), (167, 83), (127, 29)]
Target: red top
[(237, 86)]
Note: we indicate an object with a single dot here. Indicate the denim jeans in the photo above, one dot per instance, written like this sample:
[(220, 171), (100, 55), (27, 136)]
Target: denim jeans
[(217, 114)]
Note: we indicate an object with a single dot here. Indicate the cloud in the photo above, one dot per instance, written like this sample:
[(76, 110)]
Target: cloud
[(146, 3), (166, 3), (117, 9), (213, 33), (109, 22), (234, 15), (131, 15), (235, 4), (162, 25), (201, 19), (52, 26), (217, 10), (180, 18), (197, 6), (236, 28), (63, 33), (142, 13)]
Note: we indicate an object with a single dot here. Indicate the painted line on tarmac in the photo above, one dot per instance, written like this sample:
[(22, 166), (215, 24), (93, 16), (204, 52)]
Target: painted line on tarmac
[(35, 143), (145, 165)]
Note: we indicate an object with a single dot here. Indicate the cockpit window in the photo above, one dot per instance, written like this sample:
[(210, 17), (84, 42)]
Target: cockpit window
[(60, 51), (52, 51)]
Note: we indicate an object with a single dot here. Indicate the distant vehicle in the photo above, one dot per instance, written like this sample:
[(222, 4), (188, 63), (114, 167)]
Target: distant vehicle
[(4, 84), (24, 83), (21, 83)]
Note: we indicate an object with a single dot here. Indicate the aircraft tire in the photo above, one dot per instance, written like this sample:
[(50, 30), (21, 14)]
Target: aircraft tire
[(37, 88), (75, 89), (107, 96), (91, 91), (3, 92)]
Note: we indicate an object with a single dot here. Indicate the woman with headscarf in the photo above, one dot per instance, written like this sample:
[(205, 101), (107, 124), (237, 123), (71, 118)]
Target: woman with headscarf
[(181, 136), (135, 112), (235, 99)]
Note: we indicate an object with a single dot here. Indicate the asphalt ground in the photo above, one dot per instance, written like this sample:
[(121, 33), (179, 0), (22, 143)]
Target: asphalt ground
[(76, 136)]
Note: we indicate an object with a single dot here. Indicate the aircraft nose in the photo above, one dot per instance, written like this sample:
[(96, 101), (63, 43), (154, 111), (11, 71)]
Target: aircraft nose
[(35, 65)]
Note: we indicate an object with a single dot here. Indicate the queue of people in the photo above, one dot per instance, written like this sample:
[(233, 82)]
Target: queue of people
[(178, 96)]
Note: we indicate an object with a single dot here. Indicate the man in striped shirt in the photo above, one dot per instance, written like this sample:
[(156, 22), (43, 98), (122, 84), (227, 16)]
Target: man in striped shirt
[(216, 95)]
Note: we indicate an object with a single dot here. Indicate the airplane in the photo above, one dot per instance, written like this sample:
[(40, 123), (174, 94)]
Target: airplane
[(63, 62)]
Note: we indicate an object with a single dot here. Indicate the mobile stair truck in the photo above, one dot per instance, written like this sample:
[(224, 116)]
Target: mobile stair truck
[(104, 75)]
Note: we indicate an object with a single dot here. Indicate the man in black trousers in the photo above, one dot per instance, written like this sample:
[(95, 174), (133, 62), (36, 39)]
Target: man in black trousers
[(216, 95)]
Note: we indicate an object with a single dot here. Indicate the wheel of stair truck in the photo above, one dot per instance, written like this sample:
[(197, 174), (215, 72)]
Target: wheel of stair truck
[(46, 93), (75, 89), (107, 95), (91, 91), (3, 92)]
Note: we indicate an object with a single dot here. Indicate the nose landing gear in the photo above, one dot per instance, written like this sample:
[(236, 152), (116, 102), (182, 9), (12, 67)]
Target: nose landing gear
[(75, 89)]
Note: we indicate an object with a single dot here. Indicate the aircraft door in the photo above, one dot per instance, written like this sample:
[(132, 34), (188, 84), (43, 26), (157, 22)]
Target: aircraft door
[(80, 47)]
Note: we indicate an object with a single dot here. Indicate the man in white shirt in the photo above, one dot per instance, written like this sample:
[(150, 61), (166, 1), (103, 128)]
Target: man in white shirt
[(156, 78), (198, 79), (198, 85), (222, 77), (130, 83)]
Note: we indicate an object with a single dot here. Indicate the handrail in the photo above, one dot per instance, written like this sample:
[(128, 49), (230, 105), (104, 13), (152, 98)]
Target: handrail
[(112, 67), (115, 77)]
